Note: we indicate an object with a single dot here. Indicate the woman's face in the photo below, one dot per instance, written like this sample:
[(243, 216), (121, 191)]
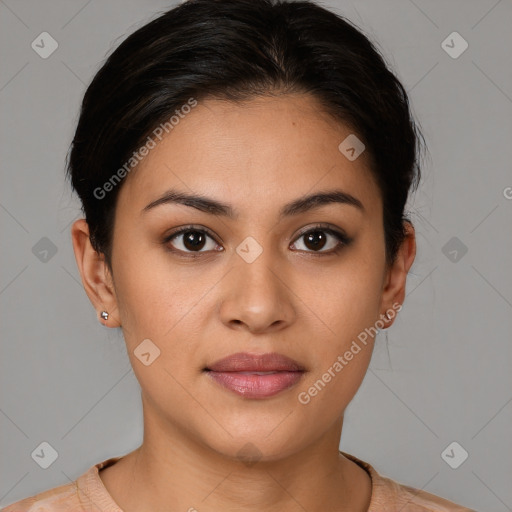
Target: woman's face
[(256, 282)]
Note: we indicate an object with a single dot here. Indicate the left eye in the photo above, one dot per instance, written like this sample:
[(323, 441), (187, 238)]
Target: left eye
[(320, 238)]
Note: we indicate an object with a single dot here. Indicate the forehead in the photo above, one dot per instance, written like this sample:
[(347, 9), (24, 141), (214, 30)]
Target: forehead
[(261, 152)]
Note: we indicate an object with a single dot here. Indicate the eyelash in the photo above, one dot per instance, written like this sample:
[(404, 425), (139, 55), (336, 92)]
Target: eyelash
[(343, 240)]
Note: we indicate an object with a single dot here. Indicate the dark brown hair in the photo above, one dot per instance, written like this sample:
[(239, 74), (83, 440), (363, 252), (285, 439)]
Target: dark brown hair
[(237, 49)]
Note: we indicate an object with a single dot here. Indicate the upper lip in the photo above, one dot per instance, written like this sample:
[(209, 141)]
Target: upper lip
[(244, 362)]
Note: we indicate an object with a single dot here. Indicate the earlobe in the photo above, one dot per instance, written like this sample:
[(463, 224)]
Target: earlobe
[(96, 277), (394, 289)]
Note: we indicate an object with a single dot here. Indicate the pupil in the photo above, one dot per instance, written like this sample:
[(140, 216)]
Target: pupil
[(193, 240), (314, 238)]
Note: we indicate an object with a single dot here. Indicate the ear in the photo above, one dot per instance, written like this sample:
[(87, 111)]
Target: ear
[(393, 292), (96, 277)]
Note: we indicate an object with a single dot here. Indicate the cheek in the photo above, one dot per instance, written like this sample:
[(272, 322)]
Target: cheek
[(346, 312), (343, 343), (151, 293), (352, 311), (346, 300), (342, 354), (163, 302)]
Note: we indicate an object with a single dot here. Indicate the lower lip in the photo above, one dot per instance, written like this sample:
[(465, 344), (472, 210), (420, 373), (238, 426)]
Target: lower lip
[(256, 386)]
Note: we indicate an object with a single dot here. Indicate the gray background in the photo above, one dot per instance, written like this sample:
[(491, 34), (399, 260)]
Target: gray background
[(444, 374)]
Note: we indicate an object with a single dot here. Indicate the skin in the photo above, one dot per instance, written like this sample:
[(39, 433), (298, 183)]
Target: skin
[(256, 156)]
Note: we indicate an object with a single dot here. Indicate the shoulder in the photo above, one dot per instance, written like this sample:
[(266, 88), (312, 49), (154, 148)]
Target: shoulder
[(57, 499), (417, 500), (85, 494), (389, 495)]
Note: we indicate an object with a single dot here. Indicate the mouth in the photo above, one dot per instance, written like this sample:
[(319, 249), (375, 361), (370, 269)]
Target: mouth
[(256, 375)]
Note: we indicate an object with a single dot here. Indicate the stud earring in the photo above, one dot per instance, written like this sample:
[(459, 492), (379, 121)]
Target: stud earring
[(104, 315)]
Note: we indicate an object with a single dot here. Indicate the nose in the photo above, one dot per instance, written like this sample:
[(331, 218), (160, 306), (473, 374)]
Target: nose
[(256, 296)]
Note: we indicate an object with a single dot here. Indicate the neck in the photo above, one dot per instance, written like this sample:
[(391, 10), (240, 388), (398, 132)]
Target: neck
[(171, 471)]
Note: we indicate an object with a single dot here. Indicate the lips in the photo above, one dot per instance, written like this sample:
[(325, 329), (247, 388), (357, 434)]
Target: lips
[(256, 375), (244, 362)]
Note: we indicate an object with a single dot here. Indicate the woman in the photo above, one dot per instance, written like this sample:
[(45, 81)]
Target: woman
[(243, 167)]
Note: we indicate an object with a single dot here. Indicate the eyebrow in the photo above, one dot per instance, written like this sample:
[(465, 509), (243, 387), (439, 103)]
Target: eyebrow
[(296, 207)]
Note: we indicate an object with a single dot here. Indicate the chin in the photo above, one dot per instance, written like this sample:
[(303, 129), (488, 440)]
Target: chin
[(254, 442)]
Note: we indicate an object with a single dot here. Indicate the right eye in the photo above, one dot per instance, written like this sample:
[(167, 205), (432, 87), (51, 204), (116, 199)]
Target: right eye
[(191, 240)]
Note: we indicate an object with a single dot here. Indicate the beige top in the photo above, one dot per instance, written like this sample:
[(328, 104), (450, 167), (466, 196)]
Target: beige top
[(87, 494)]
